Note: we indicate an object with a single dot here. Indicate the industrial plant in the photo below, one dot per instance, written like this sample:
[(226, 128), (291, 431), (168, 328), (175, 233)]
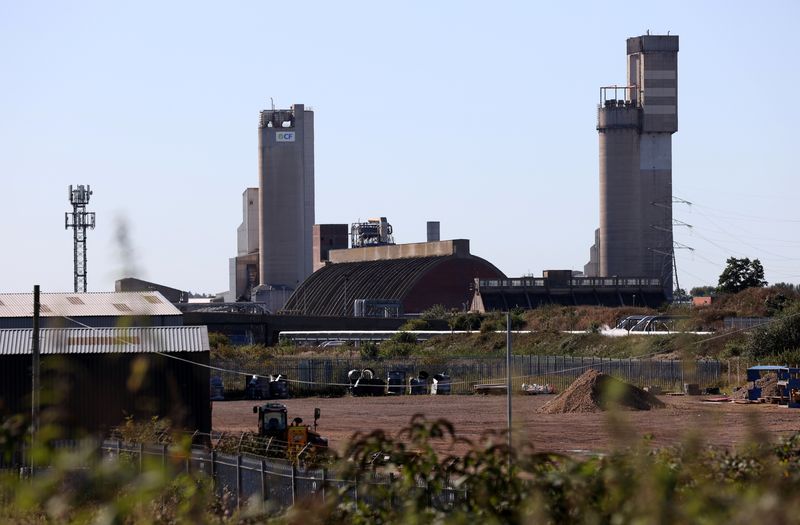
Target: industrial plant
[(292, 273), (289, 270), (635, 123), (288, 264)]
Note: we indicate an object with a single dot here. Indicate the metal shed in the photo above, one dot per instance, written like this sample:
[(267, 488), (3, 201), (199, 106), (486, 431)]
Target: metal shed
[(106, 309), (93, 378)]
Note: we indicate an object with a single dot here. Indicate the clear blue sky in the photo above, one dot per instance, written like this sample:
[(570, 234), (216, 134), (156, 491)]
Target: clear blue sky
[(478, 114)]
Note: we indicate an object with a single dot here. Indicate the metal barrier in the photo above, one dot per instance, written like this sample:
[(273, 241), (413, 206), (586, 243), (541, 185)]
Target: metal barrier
[(272, 484), (309, 377)]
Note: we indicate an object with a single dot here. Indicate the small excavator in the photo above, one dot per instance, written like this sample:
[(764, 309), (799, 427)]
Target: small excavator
[(297, 437)]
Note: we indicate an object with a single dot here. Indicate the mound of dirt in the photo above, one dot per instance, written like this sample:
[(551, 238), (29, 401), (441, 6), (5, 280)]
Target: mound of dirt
[(594, 391)]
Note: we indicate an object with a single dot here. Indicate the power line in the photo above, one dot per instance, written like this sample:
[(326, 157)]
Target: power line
[(546, 373)]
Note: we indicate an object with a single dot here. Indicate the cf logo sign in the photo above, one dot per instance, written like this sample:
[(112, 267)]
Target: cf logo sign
[(284, 136)]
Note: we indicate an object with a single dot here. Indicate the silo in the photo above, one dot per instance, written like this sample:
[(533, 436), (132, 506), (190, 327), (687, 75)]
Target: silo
[(286, 197), (620, 191), (635, 125)]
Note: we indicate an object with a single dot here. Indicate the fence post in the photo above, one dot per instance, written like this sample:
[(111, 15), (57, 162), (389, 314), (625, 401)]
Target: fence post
[(294, 484), (214, 468), (263, 481), (682, 379), (324, 482), (238, 481), (164, 455), (141, 456)]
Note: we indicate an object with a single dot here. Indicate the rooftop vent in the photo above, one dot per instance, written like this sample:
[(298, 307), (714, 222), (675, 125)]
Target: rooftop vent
[(75, 300), (122, 307)]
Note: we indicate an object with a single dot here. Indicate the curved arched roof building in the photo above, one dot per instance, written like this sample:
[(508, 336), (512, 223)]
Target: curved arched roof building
[(417, 275)]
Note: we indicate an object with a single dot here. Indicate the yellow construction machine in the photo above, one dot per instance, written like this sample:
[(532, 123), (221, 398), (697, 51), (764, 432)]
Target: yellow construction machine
[(295, 437)]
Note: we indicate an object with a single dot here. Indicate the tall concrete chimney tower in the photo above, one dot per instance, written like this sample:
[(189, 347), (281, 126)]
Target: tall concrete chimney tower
[(635, 123), (285, 201)]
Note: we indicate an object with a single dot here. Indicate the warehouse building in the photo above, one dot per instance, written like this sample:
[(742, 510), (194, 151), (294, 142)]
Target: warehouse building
[(105, 356), (401, 278), (561, 287), (93, 379), (102, 309)]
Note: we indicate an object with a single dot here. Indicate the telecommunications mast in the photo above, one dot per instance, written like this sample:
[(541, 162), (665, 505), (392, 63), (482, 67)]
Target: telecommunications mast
[(79, 220)]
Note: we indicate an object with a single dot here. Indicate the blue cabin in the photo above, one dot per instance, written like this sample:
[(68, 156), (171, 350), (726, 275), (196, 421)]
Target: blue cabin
[(788, 382)]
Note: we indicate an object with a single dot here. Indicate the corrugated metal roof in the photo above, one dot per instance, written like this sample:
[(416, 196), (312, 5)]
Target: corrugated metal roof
[(87, 304), (106, 340)]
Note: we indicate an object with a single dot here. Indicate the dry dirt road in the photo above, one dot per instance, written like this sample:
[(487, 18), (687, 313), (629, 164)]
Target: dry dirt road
[(719, 424)]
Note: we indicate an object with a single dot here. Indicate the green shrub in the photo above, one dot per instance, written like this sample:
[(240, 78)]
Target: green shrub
[(778, 337), (368, 350), (415, 324), (404, 337), (393, 349), (491, 325), (217, 340), (465, 321), (435, 312)]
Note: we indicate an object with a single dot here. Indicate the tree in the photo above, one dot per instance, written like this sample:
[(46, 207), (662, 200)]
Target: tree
[(681, 295), (740, 274), (702, 291)]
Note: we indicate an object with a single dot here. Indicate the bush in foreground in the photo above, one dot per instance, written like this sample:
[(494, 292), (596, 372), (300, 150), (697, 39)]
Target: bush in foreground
[(490, 483)]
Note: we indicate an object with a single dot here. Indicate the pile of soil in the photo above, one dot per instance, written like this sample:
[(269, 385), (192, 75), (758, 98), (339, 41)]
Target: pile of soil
[(768, 384), (594, 391)]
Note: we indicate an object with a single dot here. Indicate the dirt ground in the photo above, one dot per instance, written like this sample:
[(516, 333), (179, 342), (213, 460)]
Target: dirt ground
[(725, 424)]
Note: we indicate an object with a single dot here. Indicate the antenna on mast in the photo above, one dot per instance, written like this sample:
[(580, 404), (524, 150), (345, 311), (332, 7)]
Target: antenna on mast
[(79, 220)]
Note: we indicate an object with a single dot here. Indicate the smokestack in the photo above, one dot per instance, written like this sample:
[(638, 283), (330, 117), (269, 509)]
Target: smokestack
[(433, 231)]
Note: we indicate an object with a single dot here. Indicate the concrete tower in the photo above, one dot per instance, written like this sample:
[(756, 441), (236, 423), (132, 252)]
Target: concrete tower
[(243, 269), (635, 125), (285, 201)]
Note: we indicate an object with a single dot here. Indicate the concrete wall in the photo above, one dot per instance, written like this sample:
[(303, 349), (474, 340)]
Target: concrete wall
[(457, 247), (286, 196)]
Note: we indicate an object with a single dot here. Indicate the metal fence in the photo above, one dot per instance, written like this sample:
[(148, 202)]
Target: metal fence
[(317, 376), (268, 484)]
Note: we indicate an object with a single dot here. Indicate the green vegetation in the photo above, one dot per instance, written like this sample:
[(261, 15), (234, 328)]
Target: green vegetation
[(740, 274), (777, 342), (489, 483), (780, 339), (416, 324), (703, 291)]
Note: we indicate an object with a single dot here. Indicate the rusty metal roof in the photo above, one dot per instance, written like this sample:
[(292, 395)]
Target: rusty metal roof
[(87, 304), (106, 340)]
